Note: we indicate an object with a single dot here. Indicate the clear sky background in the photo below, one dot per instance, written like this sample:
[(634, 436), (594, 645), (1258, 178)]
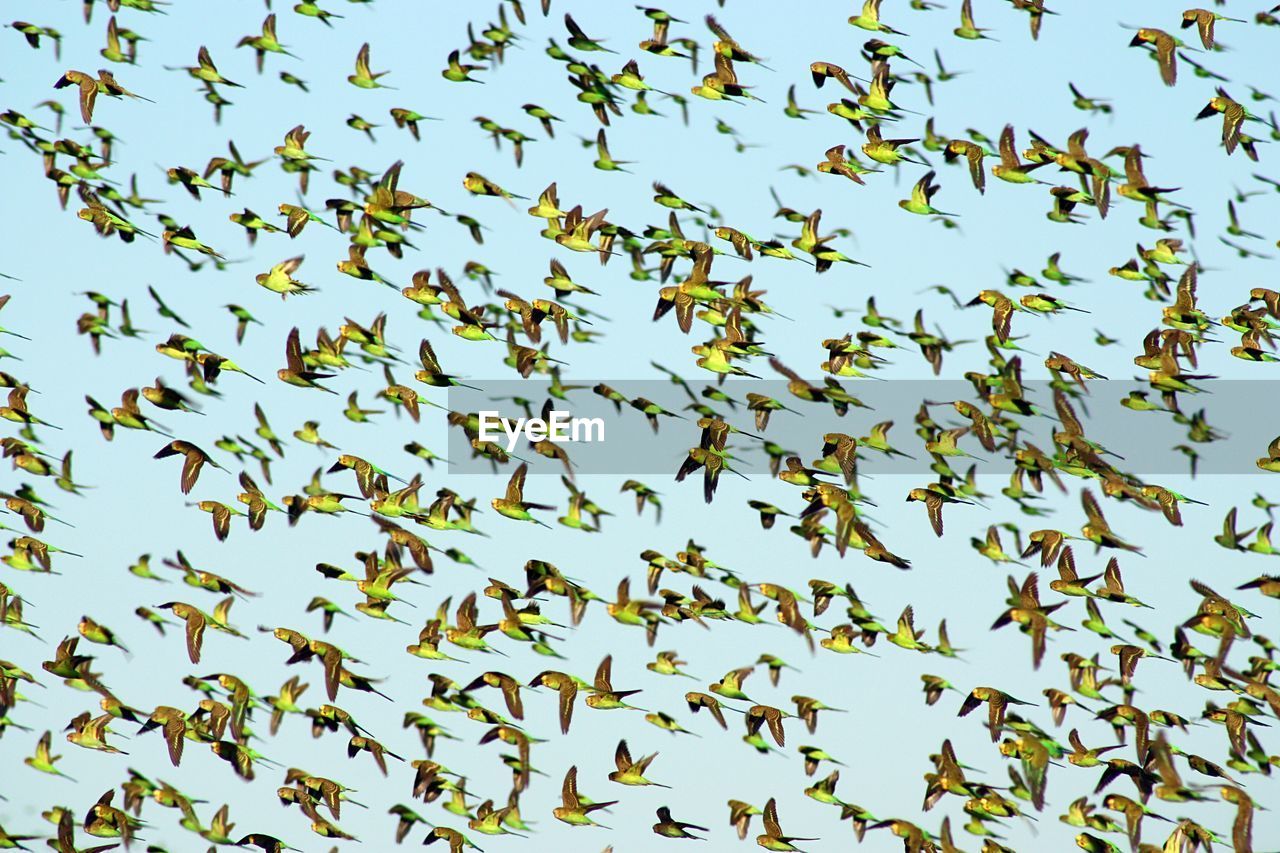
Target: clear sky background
[(887, 732)]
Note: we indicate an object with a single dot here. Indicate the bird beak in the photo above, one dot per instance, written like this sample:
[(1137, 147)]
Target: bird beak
[(1206, 112), (1137, 40)]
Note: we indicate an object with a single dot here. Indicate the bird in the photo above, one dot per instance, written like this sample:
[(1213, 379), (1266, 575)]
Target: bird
[(295, 371), (205, 71), (90, 87), (933, 499), (967, 30), (921, 201), (997, 702), (194, 460), (364, 78), (279, 279), (494, 631), (571, 809), (772, 837), (631, 772), (512, 504), (1166, 50), (668, 827), (1203, 20)]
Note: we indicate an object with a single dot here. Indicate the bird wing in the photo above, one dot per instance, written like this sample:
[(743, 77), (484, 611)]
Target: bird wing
[(622, 757), (604, 675), (568, 692), (515, 487), (771, 825), (193, 462), (195, 634), (569, 790), (293, 352), (1008, 154)]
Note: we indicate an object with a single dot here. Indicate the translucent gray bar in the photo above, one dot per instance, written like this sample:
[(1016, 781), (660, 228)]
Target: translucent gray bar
[(1225, 428)]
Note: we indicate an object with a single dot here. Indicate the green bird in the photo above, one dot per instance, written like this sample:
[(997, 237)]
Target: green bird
[(293, 151), (265, 43), (669, 827), (408, 119), (95, 632), (33, 33), (116, 40), (838, 162), (544, 116), (1262, 542), (309, 9), (921, 197), (191, 181), (185, 238), (457, 72), (310, 434), (104, 84), (1011, 168), (869, 19), (906, 636), (293, 80), (1055, 273), (164, 310), (630, 78), (477, 184), (825, 793), (934, 498), (204, 70), (580, 40), (1043, 303), (107, 223), (126, 415), (573, 809), (1095, 623), (194, 460), (364, 78), (295, 371), (793, 109), (885, 150), (772, 837), (967, 30), (279, 279), (666, 722), (602, 695), (1204, 20), (44, 760), (667, 663), (884, 50), (163, 397), (730, 686), (1088, 104), (512, 504), (243, 319), (665, 197), (631, 772), (355, 122), (1271, 462), (1094, 844), (604, 160), (491, 821), (14, 842)]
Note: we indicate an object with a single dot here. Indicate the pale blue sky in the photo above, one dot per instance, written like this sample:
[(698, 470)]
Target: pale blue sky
[(887, 734)]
